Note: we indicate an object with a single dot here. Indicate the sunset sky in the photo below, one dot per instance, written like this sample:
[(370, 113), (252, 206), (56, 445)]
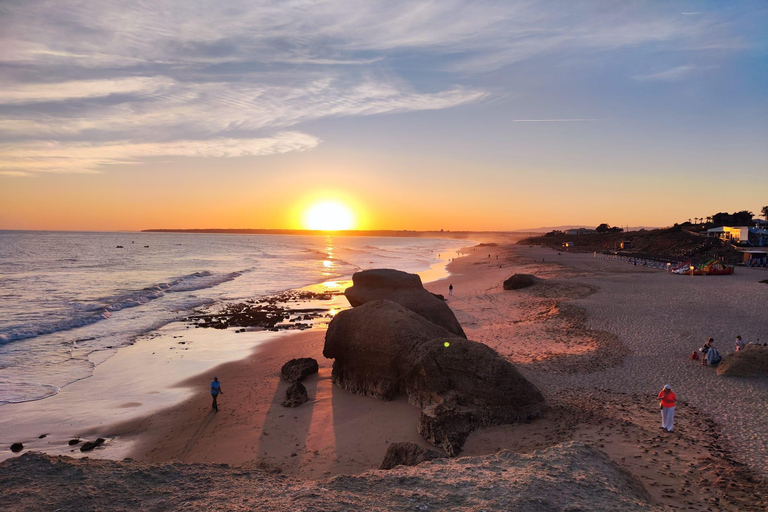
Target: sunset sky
[(416, 115)]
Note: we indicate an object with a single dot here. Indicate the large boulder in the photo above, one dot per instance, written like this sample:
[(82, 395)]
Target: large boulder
[(297, 369), (384, 350), (408, 454), (405, 289), (462, 385), (518, 281), (370, 345), (750, 362)]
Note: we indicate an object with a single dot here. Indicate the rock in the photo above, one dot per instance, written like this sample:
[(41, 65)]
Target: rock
[(518, 281), (750, 362), (405, 289), (90, 445), (408, 454), (297, 369), (384, 350), (465, 385), (295, 395), (17, 447), (73, 442), (369, 345)]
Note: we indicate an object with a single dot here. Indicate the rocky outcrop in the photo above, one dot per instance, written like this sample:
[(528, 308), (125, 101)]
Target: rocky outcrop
[(370, 346), (295, 395), (384, 350), (405, 289), (297, 369), (462, 385), (408, 454), (519, 281), (17, 447), (571, 477), (90, 445), (750, 362)]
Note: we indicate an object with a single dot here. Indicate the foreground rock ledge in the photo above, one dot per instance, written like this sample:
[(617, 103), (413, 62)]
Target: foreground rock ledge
[(384, 350), (405, 289), (571, 476)]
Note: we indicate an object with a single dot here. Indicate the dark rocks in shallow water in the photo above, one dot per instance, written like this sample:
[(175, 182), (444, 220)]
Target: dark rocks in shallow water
[(295, 395), (43, 436), (17, 447), (297, 369), (408, 454), (73, 442), (383, 350), (519, 281), (370, 345), (90, 445), (405, 289)]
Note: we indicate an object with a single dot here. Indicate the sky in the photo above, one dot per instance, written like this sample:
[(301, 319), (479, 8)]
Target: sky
[(445, 114)]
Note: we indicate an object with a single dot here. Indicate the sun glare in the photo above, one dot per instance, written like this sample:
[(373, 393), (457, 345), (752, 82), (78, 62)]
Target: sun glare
[(328, 216)]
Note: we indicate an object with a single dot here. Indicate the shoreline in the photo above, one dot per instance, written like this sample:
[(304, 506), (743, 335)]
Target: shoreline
[(143, 382)]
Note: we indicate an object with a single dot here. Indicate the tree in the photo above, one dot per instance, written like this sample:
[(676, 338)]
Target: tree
[(765, 212), (743, 218), (602, 228)]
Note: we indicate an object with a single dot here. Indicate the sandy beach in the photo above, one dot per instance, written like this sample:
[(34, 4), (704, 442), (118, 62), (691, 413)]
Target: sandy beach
[(599, 338)]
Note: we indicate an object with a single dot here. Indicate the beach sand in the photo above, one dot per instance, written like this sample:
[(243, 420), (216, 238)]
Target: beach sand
[(600, 338)]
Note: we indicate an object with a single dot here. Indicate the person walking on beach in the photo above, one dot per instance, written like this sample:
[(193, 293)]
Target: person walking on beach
[(739, 343), (450, 289), (215, 392), (668, 399)]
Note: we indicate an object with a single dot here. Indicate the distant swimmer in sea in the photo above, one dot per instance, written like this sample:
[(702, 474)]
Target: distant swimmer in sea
[(668, 399), (450, 289), (215, 392)]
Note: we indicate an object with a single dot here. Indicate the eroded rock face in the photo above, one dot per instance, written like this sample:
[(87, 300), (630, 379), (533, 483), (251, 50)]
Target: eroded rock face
[(384, 350), (518, 281), (295, 395), (297, 369), (405, 289), (370, 345), (408, 454), (462, 385)]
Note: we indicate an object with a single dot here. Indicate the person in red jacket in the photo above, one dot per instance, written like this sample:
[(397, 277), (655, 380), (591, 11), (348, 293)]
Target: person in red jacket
[(668, 399)]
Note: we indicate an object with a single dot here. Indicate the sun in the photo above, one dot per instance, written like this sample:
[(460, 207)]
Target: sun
[(328, 216)]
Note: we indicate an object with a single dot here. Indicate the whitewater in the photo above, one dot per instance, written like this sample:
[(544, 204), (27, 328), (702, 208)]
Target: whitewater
[(69, 301)]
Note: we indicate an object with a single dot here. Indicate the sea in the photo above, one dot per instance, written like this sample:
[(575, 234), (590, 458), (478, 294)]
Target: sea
[(70, 300)]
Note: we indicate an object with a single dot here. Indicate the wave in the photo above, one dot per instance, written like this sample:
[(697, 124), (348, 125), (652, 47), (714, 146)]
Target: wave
[(103, 308)]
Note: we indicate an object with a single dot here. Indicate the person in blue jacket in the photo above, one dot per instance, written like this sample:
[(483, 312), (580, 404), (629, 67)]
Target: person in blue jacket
[(215, 392)]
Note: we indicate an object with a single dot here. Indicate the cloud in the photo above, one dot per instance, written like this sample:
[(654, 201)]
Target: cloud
[(88, 158), (26, 93), (575, 120), (675, 74), (139, 78)]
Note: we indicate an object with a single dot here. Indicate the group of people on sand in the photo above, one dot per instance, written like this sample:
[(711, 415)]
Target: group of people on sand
[(710, 356)]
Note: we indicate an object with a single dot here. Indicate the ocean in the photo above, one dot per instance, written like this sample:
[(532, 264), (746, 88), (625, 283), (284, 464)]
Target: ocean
[(70, 300)]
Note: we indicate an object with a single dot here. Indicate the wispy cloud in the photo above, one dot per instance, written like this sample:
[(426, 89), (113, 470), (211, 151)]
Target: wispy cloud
[(668, 75), (86, 80), (83, 157), (575, 120)]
